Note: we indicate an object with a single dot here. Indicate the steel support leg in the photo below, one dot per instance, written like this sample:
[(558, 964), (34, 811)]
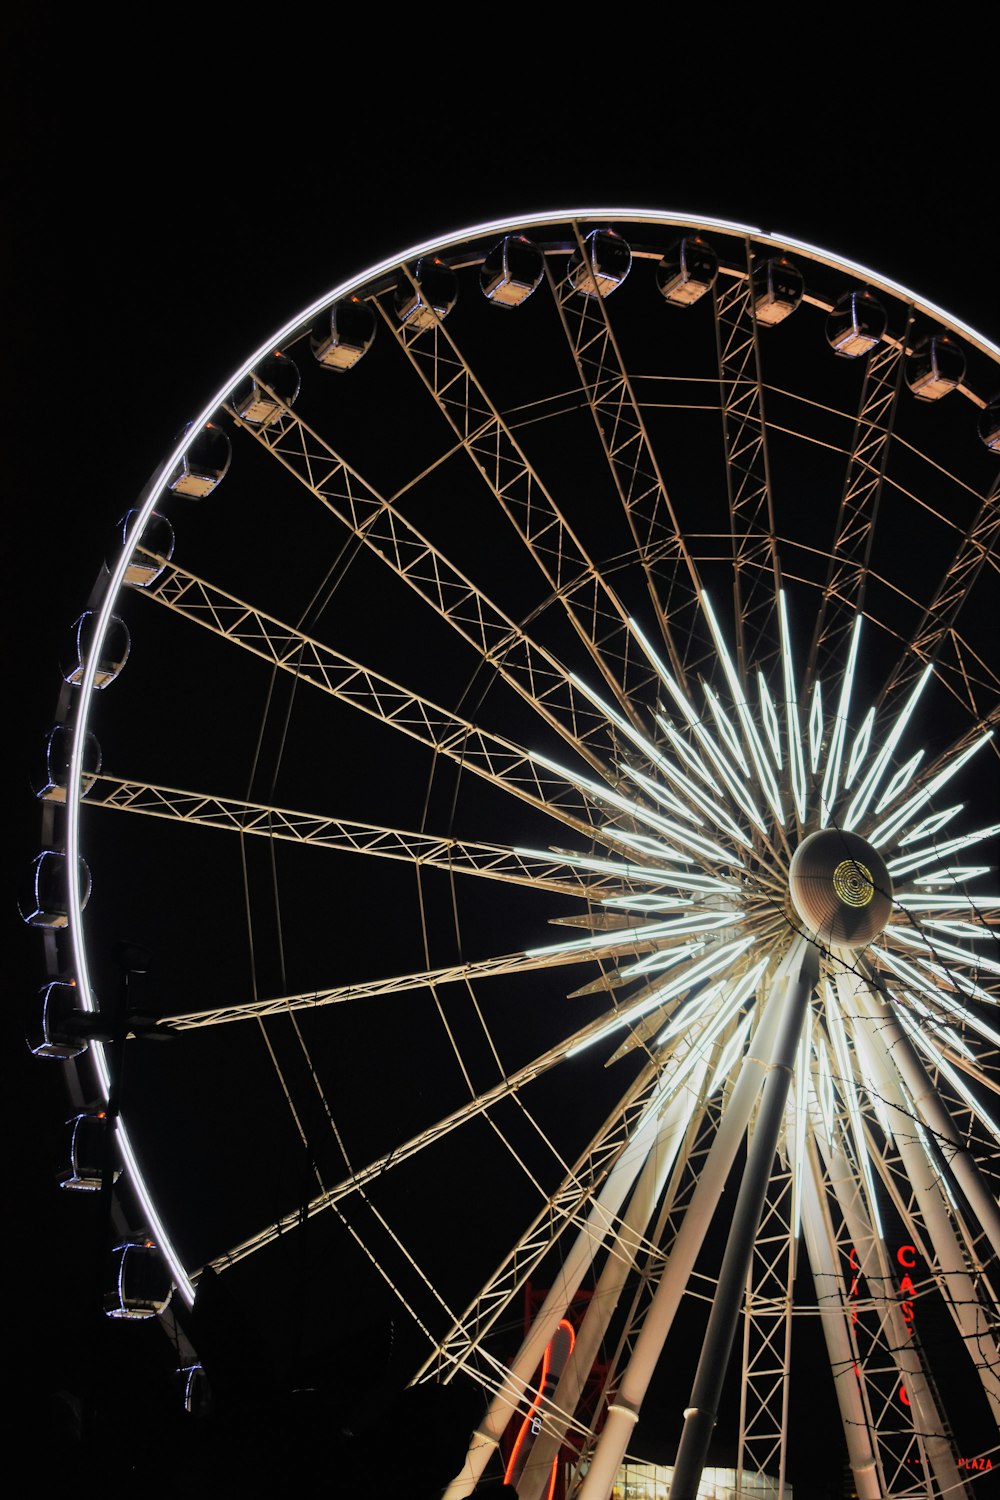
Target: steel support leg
[(700, 1416)]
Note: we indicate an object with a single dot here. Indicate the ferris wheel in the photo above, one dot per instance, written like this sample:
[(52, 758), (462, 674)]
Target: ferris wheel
[(551, 683)]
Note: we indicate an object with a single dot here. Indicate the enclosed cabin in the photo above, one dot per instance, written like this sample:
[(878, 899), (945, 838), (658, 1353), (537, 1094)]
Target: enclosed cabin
[(687, 271), (512, 271), (935, 367), (343, 333), (139, 1285), (603, 266), (111, 655), (269, 388), (90, 1141), (856, 324), (58, 752), (47, 903), (776, 288), (57, 1027), (433, 291), (151, 551), (989, 424), (204, 463)]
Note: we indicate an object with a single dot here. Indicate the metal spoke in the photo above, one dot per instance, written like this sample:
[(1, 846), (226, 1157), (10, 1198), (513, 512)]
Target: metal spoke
[(534, 673), (456, 856), (497, 760), (593, 608)]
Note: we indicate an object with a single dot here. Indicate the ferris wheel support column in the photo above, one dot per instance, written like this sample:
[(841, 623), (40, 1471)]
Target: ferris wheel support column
[(623, 1413), (896, 1050), (607, 1293), (601, 1221), (834, 1319), (700, 1416), (961, 1296)]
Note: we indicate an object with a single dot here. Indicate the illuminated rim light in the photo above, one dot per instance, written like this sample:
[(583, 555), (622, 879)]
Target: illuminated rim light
[(716, 766)]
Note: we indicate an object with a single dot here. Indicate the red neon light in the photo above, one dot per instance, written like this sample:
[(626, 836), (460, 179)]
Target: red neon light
[(907, 1256), (547, 1382)]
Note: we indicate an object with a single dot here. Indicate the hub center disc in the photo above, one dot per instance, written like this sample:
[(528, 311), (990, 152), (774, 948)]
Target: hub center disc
[(840, 889)]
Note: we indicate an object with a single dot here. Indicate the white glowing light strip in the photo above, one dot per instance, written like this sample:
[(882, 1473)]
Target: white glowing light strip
[(719, 817), (930, 825), (647, 874), (660, 794), (704, 969), (947, 903), (728, 734), (655, 756), (715, 755), (958, 927), (685, 752), (861, 742), (663, 958), (646, 845), (961, 1012), (730, 1005), (940, 1028), (947, 950), (699, 921), (842, 1057), (699, 1046), (769, 717), (764, 773), (956, 977), (862, 1043), (788, 242), (926, 793), (828, 793), (826, 1088), (676, 1073), (649, 933), (649, 902), (799, 1138), (899, 782), (908, 974), (869, 786), (648, 749), (737, 789), (953, 1076), (733, 1049), (691, 1013), (816, 726), (795, 762), (904, 863), (954, 875), (667, 826)]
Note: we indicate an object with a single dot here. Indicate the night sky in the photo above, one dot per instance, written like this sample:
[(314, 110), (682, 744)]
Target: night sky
[(172, 201)]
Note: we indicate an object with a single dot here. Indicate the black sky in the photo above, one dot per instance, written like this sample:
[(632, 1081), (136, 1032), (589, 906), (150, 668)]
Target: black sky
[(174, 195)]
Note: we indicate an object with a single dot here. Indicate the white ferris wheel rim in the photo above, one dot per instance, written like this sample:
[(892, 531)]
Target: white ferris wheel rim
[(778, 242)]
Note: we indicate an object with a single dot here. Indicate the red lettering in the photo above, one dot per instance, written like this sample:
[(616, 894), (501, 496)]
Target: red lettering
[(853, 1258), (907, 1256), (908, 1313), (906, 1287), (903, 1396)]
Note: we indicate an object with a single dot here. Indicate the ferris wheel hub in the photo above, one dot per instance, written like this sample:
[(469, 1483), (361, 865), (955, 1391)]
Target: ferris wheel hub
[(840, 888)]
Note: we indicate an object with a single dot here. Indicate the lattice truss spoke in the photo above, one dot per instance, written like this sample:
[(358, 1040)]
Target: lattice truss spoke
[(608, 847)]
